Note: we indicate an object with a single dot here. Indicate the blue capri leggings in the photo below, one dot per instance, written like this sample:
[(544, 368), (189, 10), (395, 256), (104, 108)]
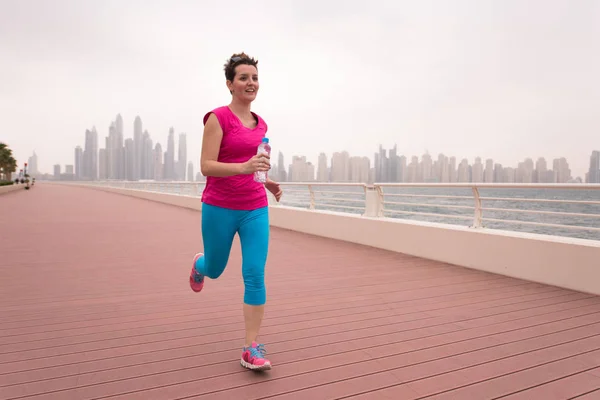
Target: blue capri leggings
[(219, 226)]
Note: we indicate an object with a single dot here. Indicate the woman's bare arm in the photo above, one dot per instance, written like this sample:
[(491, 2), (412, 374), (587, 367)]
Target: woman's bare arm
[(211, 142)]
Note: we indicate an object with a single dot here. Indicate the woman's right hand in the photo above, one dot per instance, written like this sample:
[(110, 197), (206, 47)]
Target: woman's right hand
[(260, 162)]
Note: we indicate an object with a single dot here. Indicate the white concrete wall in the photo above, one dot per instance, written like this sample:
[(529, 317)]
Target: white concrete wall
[(175, 200), (564, 262)]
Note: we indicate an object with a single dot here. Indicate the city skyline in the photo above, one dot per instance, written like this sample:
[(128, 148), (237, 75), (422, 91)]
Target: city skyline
[(580, 171), (140, 158)]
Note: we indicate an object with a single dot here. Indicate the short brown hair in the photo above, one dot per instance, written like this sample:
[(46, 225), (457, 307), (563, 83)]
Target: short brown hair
[(234, 61)]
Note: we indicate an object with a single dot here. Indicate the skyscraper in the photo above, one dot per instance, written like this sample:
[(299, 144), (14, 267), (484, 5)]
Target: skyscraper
[(477, 171), (78, 163), (90, 155), (182, 157), (281, 175), (594, 171), (488, 175), (190, 172), (129, 160), (159, 169), (137, 149), (147, 162), (562, 172), (32, 165), (322, 169), (169, 167), (119, 149)]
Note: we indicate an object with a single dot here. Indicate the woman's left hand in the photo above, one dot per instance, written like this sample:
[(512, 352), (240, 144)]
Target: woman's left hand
[(274, 188)]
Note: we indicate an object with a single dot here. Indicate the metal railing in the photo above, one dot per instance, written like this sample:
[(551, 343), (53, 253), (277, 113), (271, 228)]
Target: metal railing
[(555, 209), (343, 197), (331, 196), (568, 207)]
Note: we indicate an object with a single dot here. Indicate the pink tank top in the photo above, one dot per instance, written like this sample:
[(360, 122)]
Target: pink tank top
[(239, 144)]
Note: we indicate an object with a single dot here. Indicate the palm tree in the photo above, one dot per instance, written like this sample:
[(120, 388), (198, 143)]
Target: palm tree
[(8, 164)]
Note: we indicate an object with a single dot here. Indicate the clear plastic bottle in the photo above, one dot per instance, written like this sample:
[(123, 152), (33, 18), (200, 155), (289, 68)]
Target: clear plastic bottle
[(263, 148)]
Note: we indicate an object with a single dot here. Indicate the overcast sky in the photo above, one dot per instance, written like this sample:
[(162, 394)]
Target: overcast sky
[(503, 79)]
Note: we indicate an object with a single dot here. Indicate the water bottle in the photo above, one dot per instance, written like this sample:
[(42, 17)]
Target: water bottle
[(263, 148)]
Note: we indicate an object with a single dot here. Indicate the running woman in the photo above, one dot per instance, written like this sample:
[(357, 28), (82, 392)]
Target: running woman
[(233, 202)]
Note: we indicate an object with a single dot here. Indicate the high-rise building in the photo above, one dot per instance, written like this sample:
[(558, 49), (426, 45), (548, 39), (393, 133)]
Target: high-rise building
[(452, 169), (147, 162), (118, 149), (90, 155), (392, 165), (498, 173), (464, 175), (138, 145), (111, 152), (562, 172), (159, 169), (541, 171), (340, 167), (488, 175), (301, 170), (426, 168), (442, 170), (594, 171), (381, 165), (129, 160), (510, 175), (413, 170), (78, 163), (182, 157), (525, 171), (281, 173), (360, 168), (32, 165), (322, 169), (477, 174), (169, 163), (102, 164), (190, 171)]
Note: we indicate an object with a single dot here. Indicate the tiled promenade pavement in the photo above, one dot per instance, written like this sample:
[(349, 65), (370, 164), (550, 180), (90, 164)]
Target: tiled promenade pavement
[(95, 303)]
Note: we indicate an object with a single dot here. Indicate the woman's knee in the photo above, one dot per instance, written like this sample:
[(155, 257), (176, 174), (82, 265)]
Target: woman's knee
[(213, 266), (213, 273), (254, 288)]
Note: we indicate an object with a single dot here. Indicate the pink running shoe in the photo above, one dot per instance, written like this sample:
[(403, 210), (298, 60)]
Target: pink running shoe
[(253, 358), (196, 280)]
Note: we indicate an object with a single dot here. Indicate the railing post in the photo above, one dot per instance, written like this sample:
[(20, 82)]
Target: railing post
[(373, 202), (478, 211), (312, 198)]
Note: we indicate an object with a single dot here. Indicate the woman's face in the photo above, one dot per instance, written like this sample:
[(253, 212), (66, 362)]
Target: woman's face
[(245, 83)]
